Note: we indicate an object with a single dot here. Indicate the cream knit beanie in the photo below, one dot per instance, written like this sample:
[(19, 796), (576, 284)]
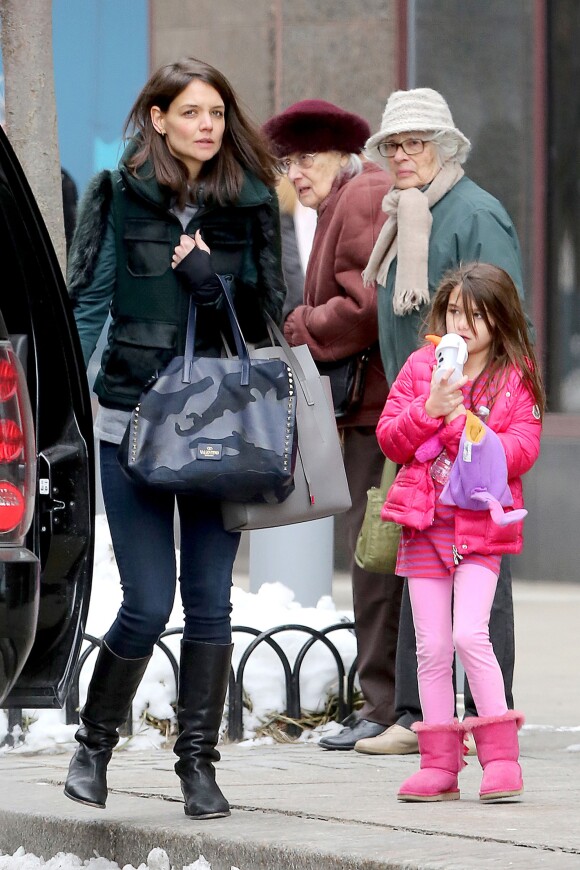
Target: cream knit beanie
[(421, 110)]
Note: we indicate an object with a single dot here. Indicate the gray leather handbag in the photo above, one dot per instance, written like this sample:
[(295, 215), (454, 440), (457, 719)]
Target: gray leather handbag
[(320, 484)]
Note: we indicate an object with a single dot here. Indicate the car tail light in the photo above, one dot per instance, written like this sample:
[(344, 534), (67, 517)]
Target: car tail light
[(17, 450)]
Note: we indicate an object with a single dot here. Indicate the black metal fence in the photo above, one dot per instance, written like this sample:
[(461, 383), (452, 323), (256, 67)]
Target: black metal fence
[(235, 729)]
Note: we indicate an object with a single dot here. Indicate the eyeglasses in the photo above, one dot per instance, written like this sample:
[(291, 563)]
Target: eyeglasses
[(305, 161), (409, 146)]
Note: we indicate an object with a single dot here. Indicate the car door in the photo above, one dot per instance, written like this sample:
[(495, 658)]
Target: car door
[(41, 648)]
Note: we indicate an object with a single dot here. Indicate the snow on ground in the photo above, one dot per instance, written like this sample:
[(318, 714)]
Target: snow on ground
[(156, 860), (274, 604)]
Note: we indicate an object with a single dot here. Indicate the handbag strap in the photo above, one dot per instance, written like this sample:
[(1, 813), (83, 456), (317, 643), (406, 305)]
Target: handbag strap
[(241, 346), (277, 338), (390, 469), (189, 342), (240, 341), (276, 335)]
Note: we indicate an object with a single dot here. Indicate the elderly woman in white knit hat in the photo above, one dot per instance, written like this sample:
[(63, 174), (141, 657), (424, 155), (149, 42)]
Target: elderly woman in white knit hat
[(437, 218), (318, 144)]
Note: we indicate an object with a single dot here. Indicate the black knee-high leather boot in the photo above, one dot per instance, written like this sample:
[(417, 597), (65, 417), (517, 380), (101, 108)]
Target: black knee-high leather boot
[(203, 681), (110, 695)]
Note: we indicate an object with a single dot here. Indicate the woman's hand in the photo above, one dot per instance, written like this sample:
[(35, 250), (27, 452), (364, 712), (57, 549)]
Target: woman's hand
[(445, 399), (193, 269), (186, 245)]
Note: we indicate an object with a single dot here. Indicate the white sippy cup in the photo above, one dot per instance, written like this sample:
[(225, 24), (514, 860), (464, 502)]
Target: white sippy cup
[(451, 353)]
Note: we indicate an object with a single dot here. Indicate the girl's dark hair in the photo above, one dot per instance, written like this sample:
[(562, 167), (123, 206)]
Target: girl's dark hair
[(490, 290), (243, 145)]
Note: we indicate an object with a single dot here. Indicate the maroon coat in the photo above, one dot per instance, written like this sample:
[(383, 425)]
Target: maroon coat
[(339, 315)]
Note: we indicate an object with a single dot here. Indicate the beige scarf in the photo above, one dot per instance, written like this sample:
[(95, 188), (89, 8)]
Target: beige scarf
[(405, 235)]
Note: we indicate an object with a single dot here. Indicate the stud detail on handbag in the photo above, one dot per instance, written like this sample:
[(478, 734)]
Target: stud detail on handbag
[(134, 439)]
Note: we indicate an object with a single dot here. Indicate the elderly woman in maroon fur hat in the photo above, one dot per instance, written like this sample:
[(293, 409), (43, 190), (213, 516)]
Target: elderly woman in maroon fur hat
[(319, 145)]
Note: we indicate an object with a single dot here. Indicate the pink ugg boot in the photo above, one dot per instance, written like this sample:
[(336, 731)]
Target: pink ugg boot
[(442, 751), (496, 739)]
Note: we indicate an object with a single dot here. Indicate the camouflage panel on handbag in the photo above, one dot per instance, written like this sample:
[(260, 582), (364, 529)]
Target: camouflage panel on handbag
[(216, 428), (215, 436)]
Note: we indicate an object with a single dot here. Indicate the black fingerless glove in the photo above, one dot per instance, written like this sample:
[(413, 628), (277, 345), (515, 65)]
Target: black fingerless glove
[(197, 277)]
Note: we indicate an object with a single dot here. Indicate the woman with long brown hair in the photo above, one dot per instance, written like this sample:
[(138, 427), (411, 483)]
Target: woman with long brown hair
[(193, 196)]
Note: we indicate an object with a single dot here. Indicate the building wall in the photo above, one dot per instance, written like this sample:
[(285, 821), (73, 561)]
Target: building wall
[(481, 57), (101, 55), (563, 276), (276, 52), (487, 78), (551, 529), (485, 58)]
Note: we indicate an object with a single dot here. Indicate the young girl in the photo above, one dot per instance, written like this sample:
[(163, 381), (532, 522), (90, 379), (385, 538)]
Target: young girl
[(450, 549)]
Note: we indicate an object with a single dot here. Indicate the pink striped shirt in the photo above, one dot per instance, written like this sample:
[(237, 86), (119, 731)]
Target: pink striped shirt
[(431, 552)]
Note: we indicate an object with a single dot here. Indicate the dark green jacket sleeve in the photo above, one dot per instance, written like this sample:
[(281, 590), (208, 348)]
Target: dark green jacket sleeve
[(91, 303)]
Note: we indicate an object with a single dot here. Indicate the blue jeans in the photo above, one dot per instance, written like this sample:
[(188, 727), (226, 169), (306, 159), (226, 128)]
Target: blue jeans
[(141, 522)]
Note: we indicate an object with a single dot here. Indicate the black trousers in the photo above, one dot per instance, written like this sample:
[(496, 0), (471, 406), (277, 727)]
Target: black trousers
[(376, 597), (501, 632)]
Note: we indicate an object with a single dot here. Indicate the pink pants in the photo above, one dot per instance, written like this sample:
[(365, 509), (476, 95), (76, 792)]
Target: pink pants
[(471, 588)]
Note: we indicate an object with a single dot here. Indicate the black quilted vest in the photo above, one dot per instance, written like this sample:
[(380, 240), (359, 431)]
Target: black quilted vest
[(149, 307)]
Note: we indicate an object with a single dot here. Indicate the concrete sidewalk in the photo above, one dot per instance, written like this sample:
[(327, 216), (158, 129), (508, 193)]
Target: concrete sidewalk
[(297, 806)]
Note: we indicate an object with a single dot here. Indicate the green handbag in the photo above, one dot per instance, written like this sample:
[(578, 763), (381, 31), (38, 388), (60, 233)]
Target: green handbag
[(378, 541)]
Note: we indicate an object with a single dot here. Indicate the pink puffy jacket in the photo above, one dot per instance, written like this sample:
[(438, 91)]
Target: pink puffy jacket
[(404, 425)]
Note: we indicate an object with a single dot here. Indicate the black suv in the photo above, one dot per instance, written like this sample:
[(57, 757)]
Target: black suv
[(46, 460)]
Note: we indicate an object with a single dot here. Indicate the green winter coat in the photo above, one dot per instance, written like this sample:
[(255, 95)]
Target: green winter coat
[(468, 224), (120, 263)]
